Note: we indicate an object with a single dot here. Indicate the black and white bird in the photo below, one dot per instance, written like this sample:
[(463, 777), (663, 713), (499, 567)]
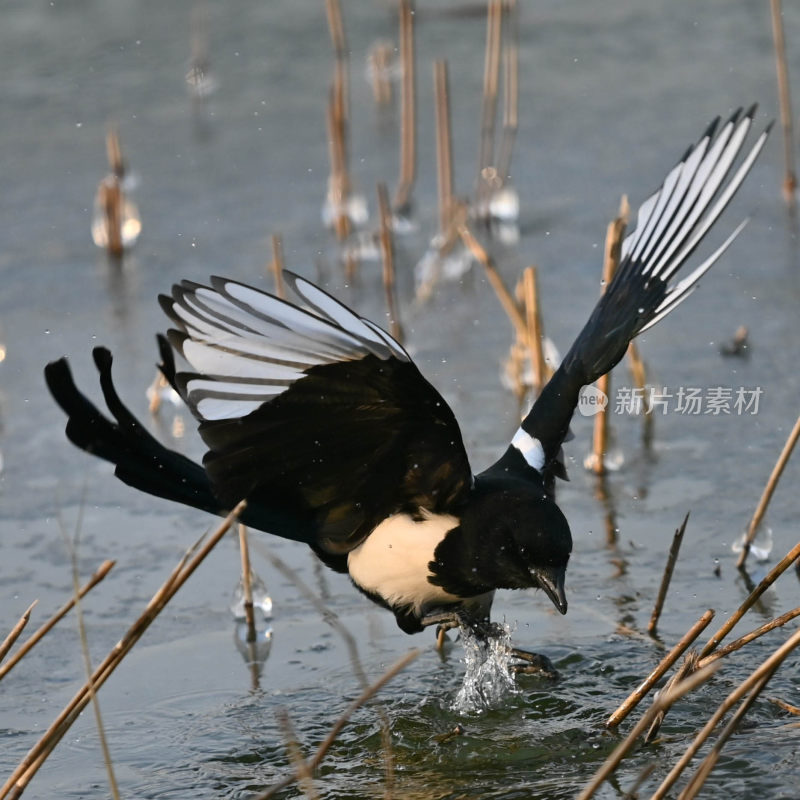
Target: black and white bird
[(322, 422)]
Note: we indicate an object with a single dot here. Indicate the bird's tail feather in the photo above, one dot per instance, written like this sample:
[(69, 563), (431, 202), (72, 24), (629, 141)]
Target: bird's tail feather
[(140, 460)]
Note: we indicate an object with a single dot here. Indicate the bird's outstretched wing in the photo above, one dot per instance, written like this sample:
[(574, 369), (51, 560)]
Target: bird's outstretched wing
[(670, 225), (312, 411)]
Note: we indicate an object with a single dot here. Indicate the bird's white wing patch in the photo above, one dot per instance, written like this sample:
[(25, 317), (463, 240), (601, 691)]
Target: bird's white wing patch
[(248, 347), (530, 448)]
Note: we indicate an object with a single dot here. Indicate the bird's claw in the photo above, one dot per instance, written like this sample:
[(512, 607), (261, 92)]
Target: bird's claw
[(533, 664)]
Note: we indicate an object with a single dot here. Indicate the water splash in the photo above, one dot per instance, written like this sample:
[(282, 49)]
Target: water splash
[(488, 679)]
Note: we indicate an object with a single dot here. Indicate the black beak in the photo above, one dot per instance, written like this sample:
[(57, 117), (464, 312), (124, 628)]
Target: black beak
[(551, 580)]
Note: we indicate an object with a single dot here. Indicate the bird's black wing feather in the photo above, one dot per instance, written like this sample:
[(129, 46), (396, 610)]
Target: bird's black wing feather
[(670, 225), (313, 411)]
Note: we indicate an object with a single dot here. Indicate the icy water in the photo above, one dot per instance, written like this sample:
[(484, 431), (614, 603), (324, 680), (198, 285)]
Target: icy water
[(611, 93)]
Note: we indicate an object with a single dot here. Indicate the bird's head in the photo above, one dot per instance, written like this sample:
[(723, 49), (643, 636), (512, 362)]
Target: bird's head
[(542, 543)]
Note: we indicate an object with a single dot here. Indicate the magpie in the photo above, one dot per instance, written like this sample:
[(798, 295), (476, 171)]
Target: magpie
[(324, 424)]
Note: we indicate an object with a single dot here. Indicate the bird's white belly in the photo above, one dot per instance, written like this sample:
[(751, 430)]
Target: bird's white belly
[(392, 561)]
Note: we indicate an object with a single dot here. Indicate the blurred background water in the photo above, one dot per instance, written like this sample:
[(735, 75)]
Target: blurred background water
[(611, 93)]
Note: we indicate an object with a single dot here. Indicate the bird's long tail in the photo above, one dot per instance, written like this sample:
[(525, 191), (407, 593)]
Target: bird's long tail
[(669, 227), (141, 461)]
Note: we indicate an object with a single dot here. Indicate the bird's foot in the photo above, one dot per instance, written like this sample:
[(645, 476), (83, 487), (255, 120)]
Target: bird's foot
[(532, 664)]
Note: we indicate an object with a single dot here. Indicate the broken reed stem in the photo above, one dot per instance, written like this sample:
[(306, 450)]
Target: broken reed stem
[(110, 199), (510, 93), (28, 767), (408, 110), (247, 584), (705, 657), (790, 177), (667, 577), (15, 632), (665, 698), (785, 706), (710, 761), (644, 687), (387, 256), (769, 490), (533, 321), (765, 669), (613, 244), (366, 695), (768, 580), (298, 761), (444, 145), (277, 266), (114, 152), (98, 576), (506, 299), (749, 637), (491, 72)]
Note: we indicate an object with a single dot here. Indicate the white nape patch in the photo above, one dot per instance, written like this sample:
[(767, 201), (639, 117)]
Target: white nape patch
[(530, 447), (392, 561)]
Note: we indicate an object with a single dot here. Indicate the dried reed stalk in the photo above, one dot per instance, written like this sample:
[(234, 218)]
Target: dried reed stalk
[(408, 110), (71, 545), (444, 145), (110, 192), (669, 659), (368, 693), (506, 299), (380, 56), (709, 762), (765, 669), (785, 706), (276, 266), (247, 584), (768, 580), (339, 184), (667, 577), (778, 622), (15, 632), (304, 777), (705, 657), (613, 244), (510, 92), (491, 72), (637, 368), (98, 576), (535, 337), (333, 12), (29, 766), (769, 490), (688, 666), (387, 256), (665, 698), (790, 177)]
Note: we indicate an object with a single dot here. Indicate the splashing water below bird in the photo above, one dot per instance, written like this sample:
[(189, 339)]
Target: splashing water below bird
[(489, 678)]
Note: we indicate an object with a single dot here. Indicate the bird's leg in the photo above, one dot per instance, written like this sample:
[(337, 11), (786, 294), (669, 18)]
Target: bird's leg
[(444, 621), (533, 664)]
